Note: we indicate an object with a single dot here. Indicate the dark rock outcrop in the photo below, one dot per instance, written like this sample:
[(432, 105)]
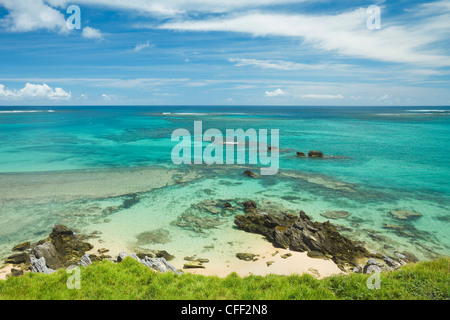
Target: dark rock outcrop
[(18, 258), (301, 234), (22, 246), (70, 246), (315, 154), (301, 154)]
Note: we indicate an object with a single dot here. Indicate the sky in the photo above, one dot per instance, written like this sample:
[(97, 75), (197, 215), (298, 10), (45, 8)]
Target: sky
[(234, 52)]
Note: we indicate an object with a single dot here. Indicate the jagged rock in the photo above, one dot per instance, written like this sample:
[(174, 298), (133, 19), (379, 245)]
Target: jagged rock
[(85, 260), (48, 251), (18, 258), (156, 264), (159, 264), (263, 223), (335, 214), (39, 266), (315, 154), (392, 263), (122, 255), (301, 234), (405, 214), (69, 246), (22, 246)]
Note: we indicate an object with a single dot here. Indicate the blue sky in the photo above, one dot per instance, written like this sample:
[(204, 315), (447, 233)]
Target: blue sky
[(235, 52)]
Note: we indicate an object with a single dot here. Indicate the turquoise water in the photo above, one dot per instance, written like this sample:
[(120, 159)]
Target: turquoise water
[(69, 164)]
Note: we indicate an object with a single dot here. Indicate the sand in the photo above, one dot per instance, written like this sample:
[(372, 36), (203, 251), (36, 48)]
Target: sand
[(223, 264)]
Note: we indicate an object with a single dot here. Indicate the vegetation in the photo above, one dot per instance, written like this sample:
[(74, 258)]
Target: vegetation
[(131, 280)]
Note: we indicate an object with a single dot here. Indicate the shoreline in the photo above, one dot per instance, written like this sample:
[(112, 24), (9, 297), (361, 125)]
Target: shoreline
[(221, 266), (297, 263)]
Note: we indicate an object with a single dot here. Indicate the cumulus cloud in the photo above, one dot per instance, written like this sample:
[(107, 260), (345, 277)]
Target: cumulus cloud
[(92, 33), (30, 15), (276, 93), (35, 91)]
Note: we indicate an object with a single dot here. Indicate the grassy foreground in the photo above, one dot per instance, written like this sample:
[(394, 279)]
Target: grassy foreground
[(131, 280)]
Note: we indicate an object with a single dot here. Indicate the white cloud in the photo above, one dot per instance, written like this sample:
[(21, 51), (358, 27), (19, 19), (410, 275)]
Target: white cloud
[(275, 93), (277, 65), (322, 96), (30, 15), (91, 33), (142, 46), (345, 33), (35, 91), (174, 7)]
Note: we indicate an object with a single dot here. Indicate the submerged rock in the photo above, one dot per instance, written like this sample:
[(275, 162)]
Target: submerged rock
[(336, 214), (154, 236), (196, 223), (405, 214)]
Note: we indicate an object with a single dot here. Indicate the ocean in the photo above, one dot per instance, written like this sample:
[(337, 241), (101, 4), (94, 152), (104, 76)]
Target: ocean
[(108, 170)]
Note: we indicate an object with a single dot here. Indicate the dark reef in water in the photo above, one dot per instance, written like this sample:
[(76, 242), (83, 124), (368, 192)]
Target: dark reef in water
[(299, 233)]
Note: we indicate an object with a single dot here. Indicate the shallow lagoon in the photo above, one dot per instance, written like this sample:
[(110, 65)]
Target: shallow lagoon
[(109, 170)]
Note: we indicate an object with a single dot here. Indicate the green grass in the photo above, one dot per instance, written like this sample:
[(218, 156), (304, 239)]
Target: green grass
[(131, 280)]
